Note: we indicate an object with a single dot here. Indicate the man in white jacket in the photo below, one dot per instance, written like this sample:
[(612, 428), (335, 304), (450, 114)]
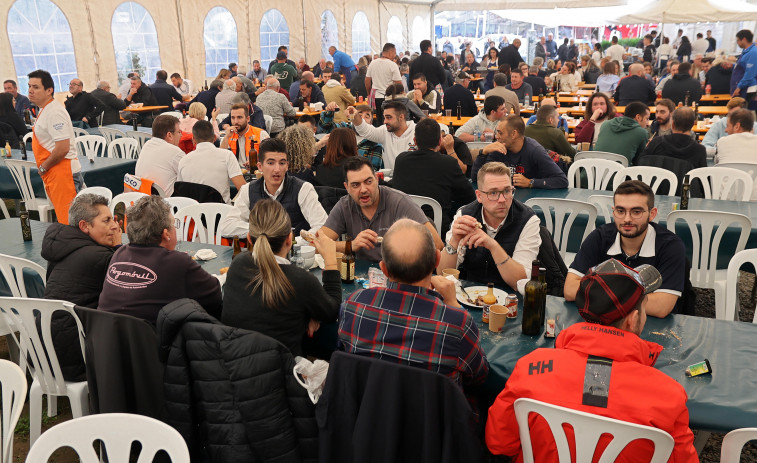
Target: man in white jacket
[(741, 144), (397, 135)]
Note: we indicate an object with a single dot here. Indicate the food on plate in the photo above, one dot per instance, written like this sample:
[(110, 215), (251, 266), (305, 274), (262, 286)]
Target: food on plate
[(307, 236), (223, 270)]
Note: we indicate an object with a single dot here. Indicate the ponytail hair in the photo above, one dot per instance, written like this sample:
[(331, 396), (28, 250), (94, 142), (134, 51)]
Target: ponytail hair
[(269, 228)]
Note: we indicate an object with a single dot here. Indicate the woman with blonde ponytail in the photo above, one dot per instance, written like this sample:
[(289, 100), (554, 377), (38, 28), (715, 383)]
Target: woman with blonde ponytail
[(264, 293)]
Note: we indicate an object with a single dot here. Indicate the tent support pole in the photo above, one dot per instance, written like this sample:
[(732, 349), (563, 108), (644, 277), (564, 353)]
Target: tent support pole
[(95, 55), (304, 32), (432, 22), (181, 37), (249, 37)]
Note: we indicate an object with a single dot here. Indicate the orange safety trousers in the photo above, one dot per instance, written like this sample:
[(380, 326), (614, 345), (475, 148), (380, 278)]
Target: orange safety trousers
[(58, 181)]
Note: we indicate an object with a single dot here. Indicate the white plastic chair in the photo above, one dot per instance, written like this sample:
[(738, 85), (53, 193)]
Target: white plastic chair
[(23, 315), (723, 183), (732, 282), (435, 206), (97, 190), (177, 202), (652, 176), (28, 137), (123, 148), (706, 229), (13, 386), (141, 137), (91, 146), (221, 117), (111, 134), (176, 114), (587, 429), (750, 169), (12, 269), (601, 155), (599, 173), (79, 132), (4, 210), (21, 171), (604, 205), (733, 442), (268, 122), (118, 432), (213, 214), (565, 213), (128, 199)]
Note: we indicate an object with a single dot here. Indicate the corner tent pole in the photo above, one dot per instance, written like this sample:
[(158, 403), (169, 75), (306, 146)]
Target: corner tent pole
[(95, 55), (304, 32), (249, 37), (181, 38), (432, 22)]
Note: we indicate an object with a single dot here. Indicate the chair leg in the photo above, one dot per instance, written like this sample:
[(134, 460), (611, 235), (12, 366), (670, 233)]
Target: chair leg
[(52, 405), (700, 440), (79, 400), (35, 412), (719, 288)]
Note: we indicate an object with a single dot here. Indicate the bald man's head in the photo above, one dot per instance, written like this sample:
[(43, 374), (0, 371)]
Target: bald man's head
[(307, 75), (408, 252), (636, 69)]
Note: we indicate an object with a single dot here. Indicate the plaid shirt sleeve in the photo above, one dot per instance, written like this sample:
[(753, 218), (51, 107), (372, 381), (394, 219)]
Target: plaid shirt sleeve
[(473, 357)]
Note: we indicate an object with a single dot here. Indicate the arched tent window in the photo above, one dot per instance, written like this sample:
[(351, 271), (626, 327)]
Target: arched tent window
[(420, 32), (40, 38), (394, 33), (135, 41), (274, 32), (329, 33), (220, 36), (361, 36)]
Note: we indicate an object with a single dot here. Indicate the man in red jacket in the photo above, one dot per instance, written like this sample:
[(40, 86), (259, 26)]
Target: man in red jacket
[(589, 356)]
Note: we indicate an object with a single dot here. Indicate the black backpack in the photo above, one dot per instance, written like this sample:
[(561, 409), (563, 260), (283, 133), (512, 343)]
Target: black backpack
[(550, 259)]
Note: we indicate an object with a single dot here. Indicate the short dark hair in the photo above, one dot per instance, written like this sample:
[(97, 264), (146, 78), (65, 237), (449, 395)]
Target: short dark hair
[(397, 106), (637, 108), (240, 106), (202, 131), (427, 134), (683, 119), (336, 76), (492, 103), (545, 112), (516, 123), (699, 35), (609, 67), (45, 77), (743, 117), (231, 65), (163, 125), (12, 82), (176, 75), (745, 34), (271, 145), (667, 102), (425, 45), (614, 39), (161, 75), (635, 187), (354, 164), (684, 68), (420, 76), (307, 119), (516, 71), (282, 47), (500, 79), (308, 84), (409, 268), (387, 47)]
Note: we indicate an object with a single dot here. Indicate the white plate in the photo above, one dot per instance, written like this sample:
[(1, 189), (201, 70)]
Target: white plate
[(475, 291)]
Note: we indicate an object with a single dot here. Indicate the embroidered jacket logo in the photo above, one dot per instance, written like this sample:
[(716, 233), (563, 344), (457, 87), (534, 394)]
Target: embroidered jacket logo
[(130, 275)]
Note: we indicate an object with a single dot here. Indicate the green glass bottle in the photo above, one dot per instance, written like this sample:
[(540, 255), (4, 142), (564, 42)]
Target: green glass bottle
[(532, 303)]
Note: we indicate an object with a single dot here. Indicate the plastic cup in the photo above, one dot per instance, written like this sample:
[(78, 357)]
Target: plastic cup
[(497, 317), (448, 112), (451, 271)]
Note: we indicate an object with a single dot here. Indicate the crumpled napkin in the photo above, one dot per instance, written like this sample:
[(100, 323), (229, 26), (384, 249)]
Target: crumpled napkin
[(205, 254), (221, 278), (318, 261)]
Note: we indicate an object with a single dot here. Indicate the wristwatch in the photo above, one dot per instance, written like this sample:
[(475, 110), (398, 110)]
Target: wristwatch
[(450, 250), (531, 183), (41, 170)]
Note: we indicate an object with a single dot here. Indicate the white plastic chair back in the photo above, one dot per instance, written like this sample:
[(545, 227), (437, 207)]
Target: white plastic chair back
[(12, 269), (221, 117), (601, 155), (477, 145), (588, 429), (79, 132), (599, 173), (91, 146), (177, 202), (176, 114), (13, 386), (123, 148), (28, 137), (207, 219), (4, 210), (652, 176), (723, 183), (268, 122), (128, 198), (435, 206), (141, 137), (706, 229), (111, 134), (750, 169), (118, 432), (604, 205), (23, 315), (565, 213), (732, 282), (733, 442), (21, 172), (97, 190)]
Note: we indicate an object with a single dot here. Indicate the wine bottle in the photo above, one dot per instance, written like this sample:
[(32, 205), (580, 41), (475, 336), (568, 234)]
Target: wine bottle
[(459, 111), (685, 193), (531, 303), (347, 264), (22, 146), (237, 248), (542, 295), (687, 98), (26, 229)]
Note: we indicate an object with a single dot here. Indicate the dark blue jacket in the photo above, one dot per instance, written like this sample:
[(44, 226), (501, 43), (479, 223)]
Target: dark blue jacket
[(164, 94), (467, 103), (208, 98)]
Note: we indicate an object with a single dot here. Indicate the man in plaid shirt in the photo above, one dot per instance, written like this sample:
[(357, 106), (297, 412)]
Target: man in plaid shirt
[(416, 320), (366, 148)]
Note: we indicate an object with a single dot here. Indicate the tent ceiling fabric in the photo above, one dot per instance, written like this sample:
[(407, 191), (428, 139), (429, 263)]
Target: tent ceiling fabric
[(689, 11), (463, 5)]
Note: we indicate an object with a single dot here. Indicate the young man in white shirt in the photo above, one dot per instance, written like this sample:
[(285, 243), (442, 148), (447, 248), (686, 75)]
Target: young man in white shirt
[(397, 135), (54, 146), (740, 146), (208, 165), (159, 158), (183, 86), (382, 73)]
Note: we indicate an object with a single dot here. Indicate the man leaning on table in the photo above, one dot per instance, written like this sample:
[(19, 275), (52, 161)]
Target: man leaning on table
[(600, 366), (495, 238), (634, 239)]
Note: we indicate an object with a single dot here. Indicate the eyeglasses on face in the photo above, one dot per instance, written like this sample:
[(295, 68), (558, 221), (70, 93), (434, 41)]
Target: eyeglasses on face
[(494, 195), (636, 212)]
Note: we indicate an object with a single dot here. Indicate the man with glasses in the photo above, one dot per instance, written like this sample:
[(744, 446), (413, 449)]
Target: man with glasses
[(82, 106), (496, 237), (635, 240)]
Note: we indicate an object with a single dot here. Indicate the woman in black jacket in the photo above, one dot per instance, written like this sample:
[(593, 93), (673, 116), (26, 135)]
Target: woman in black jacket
[(341, 146), (684, 50), (265, 293), (8, 115)]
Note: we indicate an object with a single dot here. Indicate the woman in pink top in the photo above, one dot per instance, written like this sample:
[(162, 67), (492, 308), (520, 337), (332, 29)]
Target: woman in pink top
[(197, 112)]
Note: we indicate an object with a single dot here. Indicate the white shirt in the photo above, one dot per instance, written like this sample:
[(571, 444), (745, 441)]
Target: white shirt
[(123, 90), (665, 50), (615, 53), (596, 57), (383, 72), (393, 145), (237, 223), (210, 166), (526, 250), (159, 161), (185, 88), (737, 147), (699, 47), (54, 124)]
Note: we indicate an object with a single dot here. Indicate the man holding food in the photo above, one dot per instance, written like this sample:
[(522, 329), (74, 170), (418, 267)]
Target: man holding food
[(495, 238)]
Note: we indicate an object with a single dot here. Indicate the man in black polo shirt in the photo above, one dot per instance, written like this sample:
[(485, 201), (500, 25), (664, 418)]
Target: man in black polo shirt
[(635, 240)]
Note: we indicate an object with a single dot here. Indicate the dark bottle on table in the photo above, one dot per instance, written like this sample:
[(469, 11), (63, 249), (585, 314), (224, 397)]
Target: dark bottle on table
[(687, 98), (27, 117), (685, 193), (543, 295), (134, 122), (22, 147), (459, 111), (301, 103), (26, 228), (532, 303), (347, 264), (237, 248)]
